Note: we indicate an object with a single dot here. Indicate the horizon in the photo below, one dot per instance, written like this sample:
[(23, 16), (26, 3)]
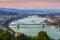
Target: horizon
[(29, 9)]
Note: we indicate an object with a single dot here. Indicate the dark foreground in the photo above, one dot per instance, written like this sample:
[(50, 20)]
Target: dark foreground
[(42, 35)]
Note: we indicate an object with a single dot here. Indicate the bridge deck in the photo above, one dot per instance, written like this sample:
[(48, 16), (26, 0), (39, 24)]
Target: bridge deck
[(27, 24)]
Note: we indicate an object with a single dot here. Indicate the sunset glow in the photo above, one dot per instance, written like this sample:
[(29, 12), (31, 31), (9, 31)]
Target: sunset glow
[(29, 4)]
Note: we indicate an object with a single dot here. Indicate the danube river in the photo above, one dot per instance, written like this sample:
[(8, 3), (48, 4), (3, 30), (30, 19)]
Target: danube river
[(32, 30)]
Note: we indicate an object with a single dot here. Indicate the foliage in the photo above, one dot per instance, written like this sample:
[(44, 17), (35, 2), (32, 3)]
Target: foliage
[(5, 35), (22, 37), (43, 36)]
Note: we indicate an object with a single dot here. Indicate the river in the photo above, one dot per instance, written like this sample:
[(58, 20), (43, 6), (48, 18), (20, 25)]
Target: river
[(32, 30)]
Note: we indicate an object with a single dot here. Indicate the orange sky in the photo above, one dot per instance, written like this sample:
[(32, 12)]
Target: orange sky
[(31, 5)]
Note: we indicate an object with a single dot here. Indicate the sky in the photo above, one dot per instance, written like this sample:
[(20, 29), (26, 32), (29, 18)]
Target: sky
[(30, 4)]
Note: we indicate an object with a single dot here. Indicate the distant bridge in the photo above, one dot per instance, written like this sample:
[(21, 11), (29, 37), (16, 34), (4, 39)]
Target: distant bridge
[(30, 24)]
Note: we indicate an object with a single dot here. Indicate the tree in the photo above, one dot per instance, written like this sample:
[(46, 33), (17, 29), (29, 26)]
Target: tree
[(43, 36), (22, 37), (58, 39), (5, 35)]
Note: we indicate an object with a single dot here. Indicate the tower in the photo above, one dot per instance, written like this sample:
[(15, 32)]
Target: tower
[(18, 26)]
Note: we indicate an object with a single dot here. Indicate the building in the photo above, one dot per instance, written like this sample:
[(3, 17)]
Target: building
[(53, 20)]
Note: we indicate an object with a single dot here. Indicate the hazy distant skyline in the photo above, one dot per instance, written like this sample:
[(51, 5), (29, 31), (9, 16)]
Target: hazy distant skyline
[(30, 4)]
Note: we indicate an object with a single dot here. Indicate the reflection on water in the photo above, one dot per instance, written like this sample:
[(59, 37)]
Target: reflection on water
[(34, 29)]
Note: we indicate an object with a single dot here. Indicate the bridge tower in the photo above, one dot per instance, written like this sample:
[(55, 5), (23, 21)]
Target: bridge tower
[(18, 26), (43, 24)]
